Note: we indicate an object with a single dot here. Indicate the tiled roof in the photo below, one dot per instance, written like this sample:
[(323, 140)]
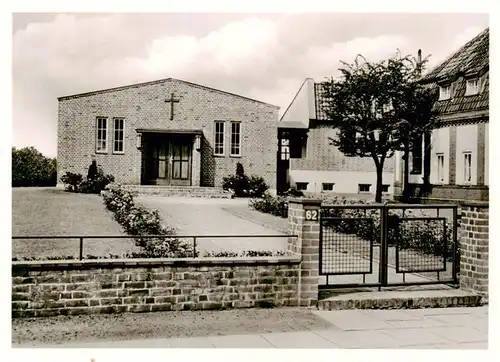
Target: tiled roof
[(318, 100), (472, 59)]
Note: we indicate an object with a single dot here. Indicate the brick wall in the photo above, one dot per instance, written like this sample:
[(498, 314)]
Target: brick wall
[(322, 156), (143, 106), (474, 244), (93, 287)]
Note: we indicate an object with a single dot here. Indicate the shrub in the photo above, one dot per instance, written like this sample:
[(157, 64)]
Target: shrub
[(71, 181), (245, 253), (269, 204), (139, 221), (293, 192), (243, 186), (95, 183), (257, 186)]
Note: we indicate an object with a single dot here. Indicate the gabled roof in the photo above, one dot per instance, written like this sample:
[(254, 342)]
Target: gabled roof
[(470, 60), (159, 81)]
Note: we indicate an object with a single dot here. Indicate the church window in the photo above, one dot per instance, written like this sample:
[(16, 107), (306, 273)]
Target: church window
[(118, 135), (219, 138), (102, 135), (235, 139)]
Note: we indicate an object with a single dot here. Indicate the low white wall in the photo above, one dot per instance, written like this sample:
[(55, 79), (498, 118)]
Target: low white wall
[(345, 181)]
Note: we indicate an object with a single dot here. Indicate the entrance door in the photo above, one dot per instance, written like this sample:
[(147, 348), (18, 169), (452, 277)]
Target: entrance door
[(171, 162), (180, 160)]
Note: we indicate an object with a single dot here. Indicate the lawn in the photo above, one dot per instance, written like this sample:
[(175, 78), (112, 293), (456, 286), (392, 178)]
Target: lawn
[(48, 211)]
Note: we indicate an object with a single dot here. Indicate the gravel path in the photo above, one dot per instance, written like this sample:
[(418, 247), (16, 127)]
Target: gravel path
[(129, 326), (209, 217), (245, 212)]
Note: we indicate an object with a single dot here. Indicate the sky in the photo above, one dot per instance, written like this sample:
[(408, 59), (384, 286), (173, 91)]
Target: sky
[(261, 56)]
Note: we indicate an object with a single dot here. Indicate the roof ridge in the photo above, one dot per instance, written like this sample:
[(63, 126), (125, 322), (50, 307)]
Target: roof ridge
[(433, 74), (158, 81)]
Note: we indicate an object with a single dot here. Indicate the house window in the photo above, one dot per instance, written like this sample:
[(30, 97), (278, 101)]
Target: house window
[(118, 136), (285, 149), (472, 87), (364, 188), (219, 138), (440, 167), (328, 187), (444, 93), (102, 135), (235, 139), (467, 166), (416, 156), (385, 189), (302, 186)]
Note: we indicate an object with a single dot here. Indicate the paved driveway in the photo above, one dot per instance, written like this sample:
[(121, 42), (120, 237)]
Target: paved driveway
[(205, 217)]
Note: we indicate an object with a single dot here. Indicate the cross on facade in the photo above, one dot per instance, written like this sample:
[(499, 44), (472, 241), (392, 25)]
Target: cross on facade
[(172, 100)]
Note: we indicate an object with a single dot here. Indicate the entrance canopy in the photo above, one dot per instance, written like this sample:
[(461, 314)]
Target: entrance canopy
[(170, 131)]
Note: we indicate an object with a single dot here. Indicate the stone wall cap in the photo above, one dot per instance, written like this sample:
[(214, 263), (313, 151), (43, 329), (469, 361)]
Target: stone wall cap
[(305, 201), (130, 263), (485, 204)]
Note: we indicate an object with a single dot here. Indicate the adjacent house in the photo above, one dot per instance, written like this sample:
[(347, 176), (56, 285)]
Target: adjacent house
[(306, 159), (455, 158), (167, 132)]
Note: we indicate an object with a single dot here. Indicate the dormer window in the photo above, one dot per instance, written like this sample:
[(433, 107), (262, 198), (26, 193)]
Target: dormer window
[(444, 92), (472, 87)]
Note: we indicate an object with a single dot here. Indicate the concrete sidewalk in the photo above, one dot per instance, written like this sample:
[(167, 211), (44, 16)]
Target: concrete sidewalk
[(449, 328)]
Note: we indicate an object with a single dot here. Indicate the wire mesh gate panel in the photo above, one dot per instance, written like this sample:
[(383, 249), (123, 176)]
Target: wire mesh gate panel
[(388, 245)]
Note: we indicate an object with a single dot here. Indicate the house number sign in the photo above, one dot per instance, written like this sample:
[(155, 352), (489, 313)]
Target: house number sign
[(312, 215)]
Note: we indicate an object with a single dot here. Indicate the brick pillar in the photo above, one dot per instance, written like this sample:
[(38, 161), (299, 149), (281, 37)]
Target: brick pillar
[(474, 247), (303, 221), (196, 163)]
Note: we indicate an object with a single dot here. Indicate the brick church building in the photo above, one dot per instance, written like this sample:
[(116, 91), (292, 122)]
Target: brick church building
[(167, 132)]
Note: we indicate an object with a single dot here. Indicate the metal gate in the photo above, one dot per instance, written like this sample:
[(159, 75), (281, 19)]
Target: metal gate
[(380, 245)]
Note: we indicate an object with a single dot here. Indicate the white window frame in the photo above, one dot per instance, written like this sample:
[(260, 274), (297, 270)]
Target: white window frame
[(122, 141), (467, 162), (99, 140), (471, 87), (440, 168), (444, 92), (231, 153), (223, 145), (285, 149), (327, 183), (301, 183), (364, 192), (388, 188)]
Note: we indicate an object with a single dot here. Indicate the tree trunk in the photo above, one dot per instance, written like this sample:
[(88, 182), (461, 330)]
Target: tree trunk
[(378, 191), (406, 172)]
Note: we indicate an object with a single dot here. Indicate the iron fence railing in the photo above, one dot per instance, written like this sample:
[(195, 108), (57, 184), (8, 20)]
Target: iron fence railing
[(195, 238)]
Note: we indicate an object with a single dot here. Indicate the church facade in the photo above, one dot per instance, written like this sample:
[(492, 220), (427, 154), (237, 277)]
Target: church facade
[(167, 132)]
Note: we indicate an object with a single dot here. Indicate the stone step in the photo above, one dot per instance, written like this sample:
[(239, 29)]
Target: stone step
[(400, 299), (179, 191)]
